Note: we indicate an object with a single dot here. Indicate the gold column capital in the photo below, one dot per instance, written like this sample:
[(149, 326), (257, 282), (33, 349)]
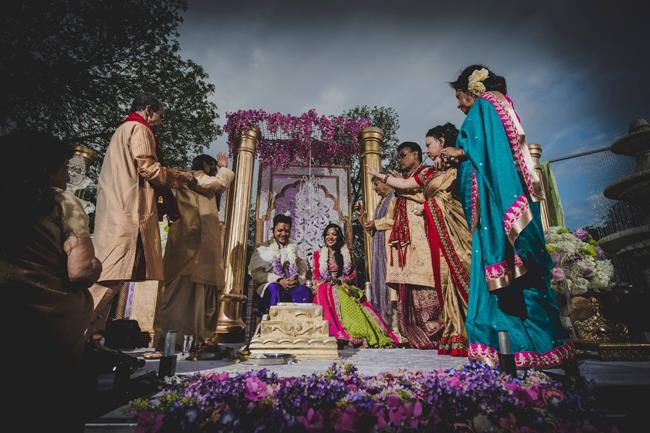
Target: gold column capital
[(371, 140), (248, 140), (536, 153), (85, 152)]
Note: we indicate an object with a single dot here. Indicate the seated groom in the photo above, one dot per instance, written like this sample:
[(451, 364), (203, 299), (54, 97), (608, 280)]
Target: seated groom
[(276, 269)]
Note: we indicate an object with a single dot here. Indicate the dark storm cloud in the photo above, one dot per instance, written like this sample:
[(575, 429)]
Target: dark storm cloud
[(576, 70)]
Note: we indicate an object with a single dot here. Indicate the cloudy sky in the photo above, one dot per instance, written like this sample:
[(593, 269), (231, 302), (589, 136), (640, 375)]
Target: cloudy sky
[(578, 72)]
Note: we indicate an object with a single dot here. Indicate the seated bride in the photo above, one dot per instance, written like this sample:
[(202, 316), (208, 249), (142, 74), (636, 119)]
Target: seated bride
[(351, 317)]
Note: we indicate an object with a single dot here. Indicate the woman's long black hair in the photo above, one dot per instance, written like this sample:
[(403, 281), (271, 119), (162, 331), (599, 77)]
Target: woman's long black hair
[(340, 241)]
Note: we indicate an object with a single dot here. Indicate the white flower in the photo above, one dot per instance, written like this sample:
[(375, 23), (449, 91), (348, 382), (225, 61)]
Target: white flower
[(475, 82), (582, 271)]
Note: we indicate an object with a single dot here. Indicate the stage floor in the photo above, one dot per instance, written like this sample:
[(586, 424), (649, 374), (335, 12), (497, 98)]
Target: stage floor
[(374, 361)]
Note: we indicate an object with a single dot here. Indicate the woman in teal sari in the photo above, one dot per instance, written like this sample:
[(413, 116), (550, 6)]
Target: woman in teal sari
[(500, 192)]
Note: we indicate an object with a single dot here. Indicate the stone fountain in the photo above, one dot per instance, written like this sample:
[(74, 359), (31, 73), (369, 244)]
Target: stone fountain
[(633, 244), (630, 247)]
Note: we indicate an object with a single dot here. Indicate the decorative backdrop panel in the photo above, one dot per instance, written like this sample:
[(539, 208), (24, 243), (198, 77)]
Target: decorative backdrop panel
[(313, 202)]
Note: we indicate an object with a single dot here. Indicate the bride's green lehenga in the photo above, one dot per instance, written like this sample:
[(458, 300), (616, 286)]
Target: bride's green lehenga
[(510, 268), (351, 317)]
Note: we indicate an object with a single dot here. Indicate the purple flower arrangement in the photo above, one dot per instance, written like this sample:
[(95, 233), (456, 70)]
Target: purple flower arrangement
[(475, 398), (288, 139), (290, 270)]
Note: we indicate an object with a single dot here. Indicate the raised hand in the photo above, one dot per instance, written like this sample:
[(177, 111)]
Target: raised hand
[(374, 172), (222, 159)]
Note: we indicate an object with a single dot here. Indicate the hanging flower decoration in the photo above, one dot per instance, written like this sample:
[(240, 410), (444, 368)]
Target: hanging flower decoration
[(288, 139), (579, 263)]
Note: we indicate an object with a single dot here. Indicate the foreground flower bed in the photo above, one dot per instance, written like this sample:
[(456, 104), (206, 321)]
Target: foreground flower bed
[(475, 398)]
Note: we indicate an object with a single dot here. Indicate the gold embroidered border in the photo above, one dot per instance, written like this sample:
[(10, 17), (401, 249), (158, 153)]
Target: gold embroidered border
[(519, 226), (538, 192), (504, 281)]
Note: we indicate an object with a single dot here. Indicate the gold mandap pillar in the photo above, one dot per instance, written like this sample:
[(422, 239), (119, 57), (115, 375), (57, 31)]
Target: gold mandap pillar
[(536, 153), (229, 320), (371, 140)]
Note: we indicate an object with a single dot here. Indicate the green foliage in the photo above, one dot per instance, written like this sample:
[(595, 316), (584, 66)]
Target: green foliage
[(387, 119), (72, 68)]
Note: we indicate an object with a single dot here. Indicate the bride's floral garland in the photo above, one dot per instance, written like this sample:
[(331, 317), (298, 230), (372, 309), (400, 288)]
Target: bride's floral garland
[(283, 260), (324, 265)]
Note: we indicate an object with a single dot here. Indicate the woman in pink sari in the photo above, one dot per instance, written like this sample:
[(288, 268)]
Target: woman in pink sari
[(350, 315)]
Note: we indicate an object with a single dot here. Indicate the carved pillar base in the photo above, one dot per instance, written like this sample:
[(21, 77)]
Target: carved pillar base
[(609, 339), (298, 329), (229, 322)]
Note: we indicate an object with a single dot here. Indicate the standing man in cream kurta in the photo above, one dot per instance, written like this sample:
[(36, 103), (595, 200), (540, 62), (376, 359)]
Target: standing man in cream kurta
[(127, 237), (193, 260), (409, 268)]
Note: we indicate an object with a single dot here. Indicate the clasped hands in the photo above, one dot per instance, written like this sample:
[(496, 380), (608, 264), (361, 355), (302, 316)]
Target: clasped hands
[(288, 283)]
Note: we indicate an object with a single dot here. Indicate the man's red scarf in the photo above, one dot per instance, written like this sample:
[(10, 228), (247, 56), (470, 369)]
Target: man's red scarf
[(400, 235), (165, 200)]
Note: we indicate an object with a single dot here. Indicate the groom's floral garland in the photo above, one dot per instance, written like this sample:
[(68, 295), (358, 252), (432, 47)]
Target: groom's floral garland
[(283, 260), (323, 262)]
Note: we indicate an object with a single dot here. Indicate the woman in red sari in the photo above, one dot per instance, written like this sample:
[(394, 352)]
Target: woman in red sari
[(448, 236)]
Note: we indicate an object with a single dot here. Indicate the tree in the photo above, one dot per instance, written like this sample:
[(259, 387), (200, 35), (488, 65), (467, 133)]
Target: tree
[(387, 119), (72, 68)]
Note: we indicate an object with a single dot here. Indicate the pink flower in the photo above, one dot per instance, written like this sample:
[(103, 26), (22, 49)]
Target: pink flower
[(255, 389), (218, 377), (149, 423), (313, 421), (455, 382), (345, 420), (396, 411), (558, 274), (380, 417), (530, 394)]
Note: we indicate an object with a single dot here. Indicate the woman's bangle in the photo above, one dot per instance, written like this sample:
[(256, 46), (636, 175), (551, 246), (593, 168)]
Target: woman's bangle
[(386, 178)]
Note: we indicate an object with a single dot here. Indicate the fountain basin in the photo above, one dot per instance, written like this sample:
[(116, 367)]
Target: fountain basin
[(633, 188), (634, 241), (633, 143)]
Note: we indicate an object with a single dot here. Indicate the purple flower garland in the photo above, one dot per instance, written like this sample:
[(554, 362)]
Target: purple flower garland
[(473, 398), (288, 272), (287, 139)]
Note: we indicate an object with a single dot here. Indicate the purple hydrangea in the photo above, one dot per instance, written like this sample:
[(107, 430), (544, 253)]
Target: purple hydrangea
[(582, 234), (342, 400)]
